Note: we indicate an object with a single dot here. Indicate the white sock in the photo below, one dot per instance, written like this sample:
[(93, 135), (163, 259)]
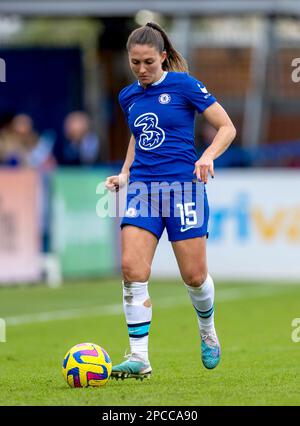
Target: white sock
[(138, 317), (203, 301)]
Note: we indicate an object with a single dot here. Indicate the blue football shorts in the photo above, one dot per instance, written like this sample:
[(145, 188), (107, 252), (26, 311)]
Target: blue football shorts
[(181, 208)]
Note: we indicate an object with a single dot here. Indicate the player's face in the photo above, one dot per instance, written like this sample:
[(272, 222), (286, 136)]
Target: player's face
[(146, 63)]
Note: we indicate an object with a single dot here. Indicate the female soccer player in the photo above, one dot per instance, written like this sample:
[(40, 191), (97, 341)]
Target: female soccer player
[(160, 108)]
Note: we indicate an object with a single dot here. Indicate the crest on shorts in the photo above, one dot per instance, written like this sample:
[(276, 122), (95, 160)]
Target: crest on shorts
[(131, 212)]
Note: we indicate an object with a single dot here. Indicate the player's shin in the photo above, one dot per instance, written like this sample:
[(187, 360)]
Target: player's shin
[(202, 298), (138, 313)]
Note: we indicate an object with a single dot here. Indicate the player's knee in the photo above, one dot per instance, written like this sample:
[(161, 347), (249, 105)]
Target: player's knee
[(134, 272), (195, 279)]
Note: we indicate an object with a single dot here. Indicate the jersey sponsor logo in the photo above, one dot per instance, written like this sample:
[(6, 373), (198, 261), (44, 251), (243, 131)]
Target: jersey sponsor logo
[(165, 98), (152, 136)]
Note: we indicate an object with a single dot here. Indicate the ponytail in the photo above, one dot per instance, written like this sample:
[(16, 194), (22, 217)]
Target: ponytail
[(153, 35)]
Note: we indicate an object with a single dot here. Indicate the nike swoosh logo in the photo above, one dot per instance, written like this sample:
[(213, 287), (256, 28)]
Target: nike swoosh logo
[(186, 229), (130, 107)]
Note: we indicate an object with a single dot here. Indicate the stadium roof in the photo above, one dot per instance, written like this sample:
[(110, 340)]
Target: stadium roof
[(105, 8)]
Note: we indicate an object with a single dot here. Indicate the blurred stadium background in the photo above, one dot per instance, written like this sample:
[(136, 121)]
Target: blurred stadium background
[(62, 65), (62, 132)]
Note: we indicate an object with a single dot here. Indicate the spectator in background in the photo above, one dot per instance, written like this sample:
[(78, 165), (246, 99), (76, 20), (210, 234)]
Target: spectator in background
[(21, 145), (81, 144), (16, 137)]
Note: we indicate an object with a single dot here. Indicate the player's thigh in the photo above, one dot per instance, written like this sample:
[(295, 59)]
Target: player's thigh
[(191, 258), (138, 249)]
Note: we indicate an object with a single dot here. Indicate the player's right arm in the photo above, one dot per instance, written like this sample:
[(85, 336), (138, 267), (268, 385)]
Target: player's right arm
[(113, 183)]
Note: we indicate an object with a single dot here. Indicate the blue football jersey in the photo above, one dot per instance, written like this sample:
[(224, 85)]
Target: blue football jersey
[(161, 117)]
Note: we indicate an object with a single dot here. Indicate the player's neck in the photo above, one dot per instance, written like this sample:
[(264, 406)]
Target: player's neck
[(157, 78)]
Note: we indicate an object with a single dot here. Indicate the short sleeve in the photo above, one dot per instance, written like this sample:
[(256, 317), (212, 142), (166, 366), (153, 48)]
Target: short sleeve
[(197, 94), (123, 103)]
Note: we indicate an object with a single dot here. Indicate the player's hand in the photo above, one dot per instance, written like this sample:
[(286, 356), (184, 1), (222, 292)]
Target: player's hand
[(114, 183), (203, 166)]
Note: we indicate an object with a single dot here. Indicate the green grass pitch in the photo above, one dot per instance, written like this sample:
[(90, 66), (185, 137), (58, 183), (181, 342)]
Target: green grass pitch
[(259, 365)]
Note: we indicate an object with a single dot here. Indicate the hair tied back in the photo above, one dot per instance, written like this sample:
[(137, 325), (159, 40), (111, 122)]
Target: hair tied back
[(150, 24)]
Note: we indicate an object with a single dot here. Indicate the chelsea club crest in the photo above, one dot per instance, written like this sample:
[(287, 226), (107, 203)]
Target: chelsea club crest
[(164, 98)]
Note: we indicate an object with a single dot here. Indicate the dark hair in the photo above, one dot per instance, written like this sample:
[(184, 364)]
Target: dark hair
[(153, 35)]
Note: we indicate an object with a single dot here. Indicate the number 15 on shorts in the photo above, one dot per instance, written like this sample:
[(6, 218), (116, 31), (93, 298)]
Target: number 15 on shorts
[(188, 216)]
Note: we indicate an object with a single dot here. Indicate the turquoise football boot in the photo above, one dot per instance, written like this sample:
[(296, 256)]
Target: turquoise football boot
[(210, 349), (131, 369)]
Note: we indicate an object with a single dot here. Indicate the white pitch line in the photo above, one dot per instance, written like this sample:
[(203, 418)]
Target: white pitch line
[(64, 314), (222, 295)]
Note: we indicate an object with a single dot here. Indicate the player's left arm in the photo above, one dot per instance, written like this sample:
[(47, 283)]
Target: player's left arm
[(226, 132)]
